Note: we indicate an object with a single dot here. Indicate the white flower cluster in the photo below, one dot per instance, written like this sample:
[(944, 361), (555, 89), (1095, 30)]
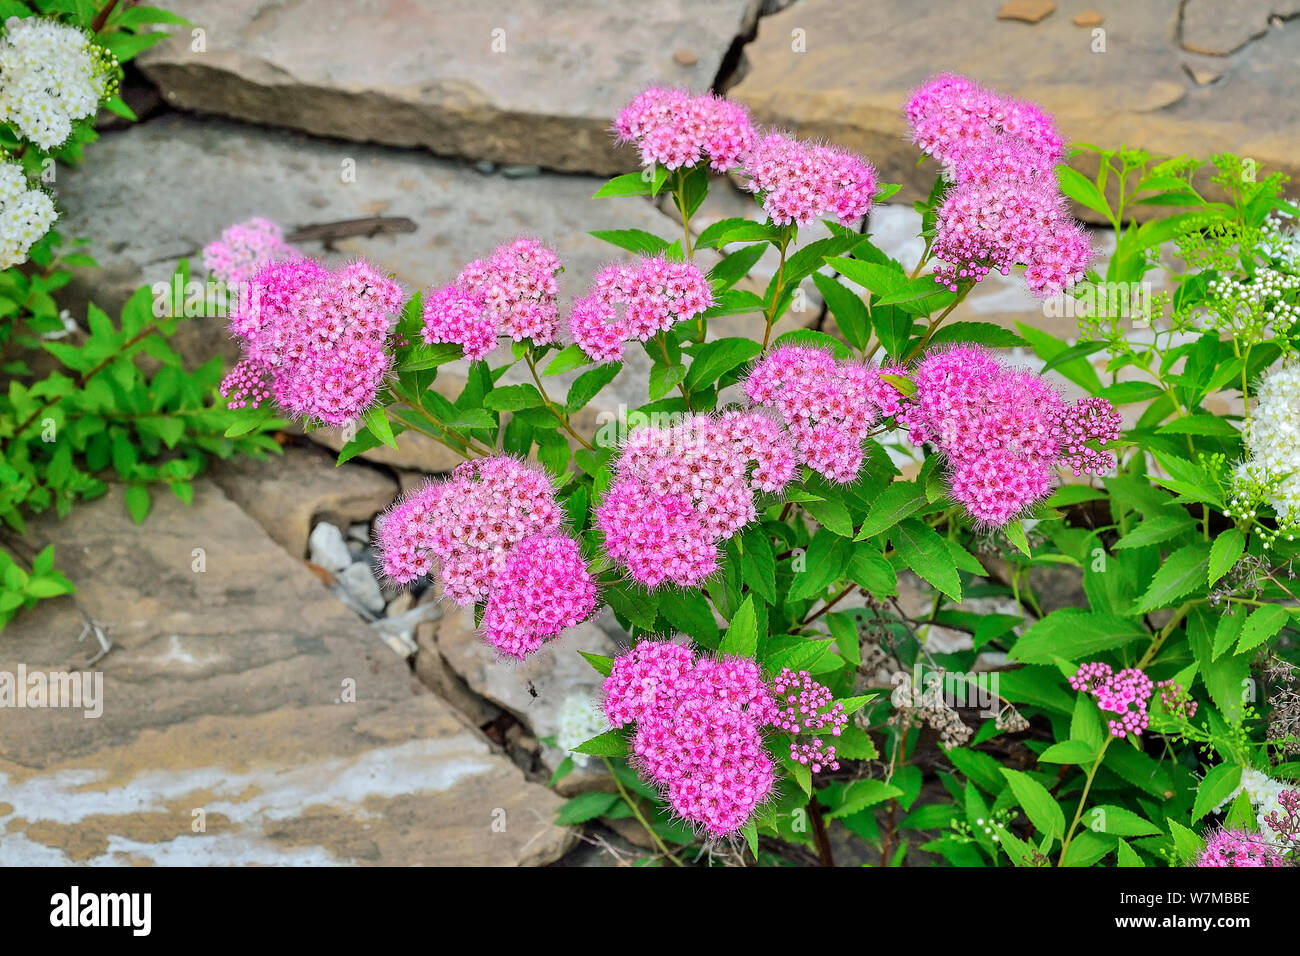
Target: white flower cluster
[(26, 214), (51, 75), (1263, 305), (1263, 792), (581, 718), (1271, 470)]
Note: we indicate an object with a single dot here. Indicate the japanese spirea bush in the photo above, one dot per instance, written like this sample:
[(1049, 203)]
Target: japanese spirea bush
[(761, 526)]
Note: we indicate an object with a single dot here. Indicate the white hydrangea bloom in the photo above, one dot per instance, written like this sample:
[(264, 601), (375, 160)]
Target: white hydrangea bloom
[(581, 718), (51, 75), (1273, 443), (26, 214)]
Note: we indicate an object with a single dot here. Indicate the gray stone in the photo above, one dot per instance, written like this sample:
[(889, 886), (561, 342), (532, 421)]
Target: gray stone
[(359, 582), (1134, 93), (327, 548), (246, 692), (556, 672), (285, 493), (495, 80)]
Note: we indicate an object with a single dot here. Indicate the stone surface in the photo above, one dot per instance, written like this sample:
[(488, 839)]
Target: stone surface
[(326, 547), (221, 695), (555, 672), (1028, 11), (498, 80), (1222, 27), (1134, 93), (286, 493), (359, 582)]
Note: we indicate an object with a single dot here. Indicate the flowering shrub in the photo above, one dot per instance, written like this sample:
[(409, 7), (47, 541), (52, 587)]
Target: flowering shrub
[(119, 406), (836, 548)]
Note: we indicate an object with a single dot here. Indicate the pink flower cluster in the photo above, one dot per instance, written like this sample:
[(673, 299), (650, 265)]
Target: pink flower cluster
[(679, 491), (1004, 208), (512, 292), (637, 301), (674, 129), (803, 706), (1125, 694), (543, 588), (493, 531), (1003, 431), (698, 732), (314, 338), (1239, 848), (1175, 699), (829, 406), (244, 248), (800, 181)]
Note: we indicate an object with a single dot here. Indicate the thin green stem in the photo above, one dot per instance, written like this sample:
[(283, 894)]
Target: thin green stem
[(636, 812), (562, 418), (770, 317)]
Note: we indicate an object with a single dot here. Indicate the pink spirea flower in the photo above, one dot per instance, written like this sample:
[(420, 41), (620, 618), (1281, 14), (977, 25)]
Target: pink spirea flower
[(1126, 694), (1004, 207), (805, 705), (1175, 699), (466, 525), (1002, 430), (316, 339), (829, 406), (543, 587), (699, 727), (245, 247), (511, 293), (1239, 848), (637, 301), (800, 181), (679, 491), (675, 129)]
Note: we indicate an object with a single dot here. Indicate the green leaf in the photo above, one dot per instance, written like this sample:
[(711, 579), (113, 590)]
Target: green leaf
[(741, 638), (826, 559), (1217, 786), (1228, 547), (566, 360), (602, 664), (586, 806), (1128, 856), (1118, 821), (1043, 812), (925, 552), (1072, 633), (1187, 845), (860, 794), (588, 385), (633, 240), (981, 333), (1069, 751), (690, 613), (1262, 624), (1182, 572), (1154, 530), (609, 744), (712, 360), (513, 398), (663, 379), (376, 419), (898, 501), (758, 564), (1082, 190), (633, 184), (137, 502)]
